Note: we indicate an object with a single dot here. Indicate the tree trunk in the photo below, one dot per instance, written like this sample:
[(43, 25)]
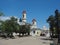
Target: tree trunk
[(11, 35), (28, 33)]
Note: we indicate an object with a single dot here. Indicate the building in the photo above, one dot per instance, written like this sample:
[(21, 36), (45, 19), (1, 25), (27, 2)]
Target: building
[(45, 32), (34, 30)]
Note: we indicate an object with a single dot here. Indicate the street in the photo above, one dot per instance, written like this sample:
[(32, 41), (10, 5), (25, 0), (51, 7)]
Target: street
[(25, 41)]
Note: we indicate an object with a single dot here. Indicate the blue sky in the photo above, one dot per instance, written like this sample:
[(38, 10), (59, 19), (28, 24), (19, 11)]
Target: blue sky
[(38, 9)]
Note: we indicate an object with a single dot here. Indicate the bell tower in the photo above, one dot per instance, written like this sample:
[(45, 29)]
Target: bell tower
[(24, 16), (34, 23)]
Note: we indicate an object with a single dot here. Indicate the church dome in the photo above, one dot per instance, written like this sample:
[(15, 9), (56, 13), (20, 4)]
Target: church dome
[(24, 12), (33, 20)]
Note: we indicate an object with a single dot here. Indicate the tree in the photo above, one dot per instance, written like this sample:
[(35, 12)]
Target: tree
[(54, 22), (51, 22), (57, 17), (28, 29), (10, 26), (25, 29), (1, 14)]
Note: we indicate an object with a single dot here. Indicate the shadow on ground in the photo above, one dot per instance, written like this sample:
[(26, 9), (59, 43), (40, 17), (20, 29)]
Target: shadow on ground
[(46, 39)]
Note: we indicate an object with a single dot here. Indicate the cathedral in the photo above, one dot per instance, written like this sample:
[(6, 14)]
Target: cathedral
[(34, 30)]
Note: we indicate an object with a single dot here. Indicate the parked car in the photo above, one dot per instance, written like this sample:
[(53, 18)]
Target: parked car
[(42, 34)]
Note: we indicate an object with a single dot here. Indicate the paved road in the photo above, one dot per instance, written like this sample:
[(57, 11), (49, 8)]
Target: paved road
[(25, 41)]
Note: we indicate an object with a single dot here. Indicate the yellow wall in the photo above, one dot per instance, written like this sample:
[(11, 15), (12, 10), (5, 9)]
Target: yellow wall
[(37, 32)]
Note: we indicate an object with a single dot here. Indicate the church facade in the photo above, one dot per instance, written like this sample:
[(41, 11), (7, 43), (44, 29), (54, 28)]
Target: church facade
[(34, 30)]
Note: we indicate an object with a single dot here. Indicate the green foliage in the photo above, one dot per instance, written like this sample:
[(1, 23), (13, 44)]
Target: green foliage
[(10, 26), (1, 13), (54, 22), (24, 29)]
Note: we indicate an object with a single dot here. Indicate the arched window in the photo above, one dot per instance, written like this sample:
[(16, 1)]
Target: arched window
[(33, 22), (23, 16)]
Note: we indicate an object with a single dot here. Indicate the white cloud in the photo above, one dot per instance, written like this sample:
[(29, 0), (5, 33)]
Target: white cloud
[(4, 18)]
